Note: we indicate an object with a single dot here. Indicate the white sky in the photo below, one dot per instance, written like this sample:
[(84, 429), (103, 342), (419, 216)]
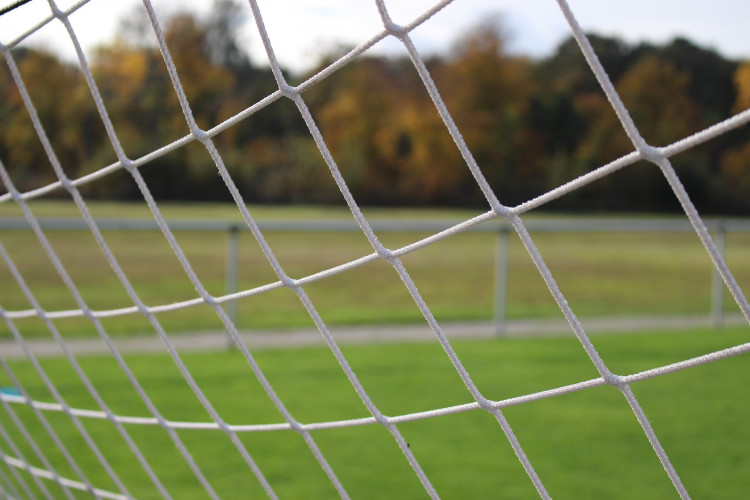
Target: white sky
[(301, 30)]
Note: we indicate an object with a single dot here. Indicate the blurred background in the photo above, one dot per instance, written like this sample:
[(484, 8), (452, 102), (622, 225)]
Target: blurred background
[(516, 83)]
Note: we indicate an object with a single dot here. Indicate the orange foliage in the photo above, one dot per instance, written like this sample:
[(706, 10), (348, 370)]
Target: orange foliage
[(742, 84), (655, 93)]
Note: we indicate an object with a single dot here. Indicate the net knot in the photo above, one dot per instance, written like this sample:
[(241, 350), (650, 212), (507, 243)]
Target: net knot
[(296, 426), (288, 91), (67, 184), (289, 282), (385, 254), (223, 426), (127, 164), (143, 309), (651, 153), (381, 419), (210, 300), (505, 212), (89, 314), (613, 380), (56, 11), (485, 403), (200, 135), (395, 29)]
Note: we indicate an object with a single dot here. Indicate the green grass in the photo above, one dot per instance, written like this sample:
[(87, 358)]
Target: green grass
[(601, 274), (583, 445), (61, 208)]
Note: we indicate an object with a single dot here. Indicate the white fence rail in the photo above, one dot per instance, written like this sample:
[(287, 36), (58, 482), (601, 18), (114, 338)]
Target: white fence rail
[(718, 227)]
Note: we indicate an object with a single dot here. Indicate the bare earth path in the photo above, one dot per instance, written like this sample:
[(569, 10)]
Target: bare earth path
[(213, 340)]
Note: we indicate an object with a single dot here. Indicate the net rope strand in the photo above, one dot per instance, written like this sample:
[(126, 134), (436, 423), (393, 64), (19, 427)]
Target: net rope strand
[(204, 401), (106, 411), (643, 151), (411, 417), (37, 472), (57, 167), (284, 279), (7, 488), (62, 272), (26, 464), (656, 156), (47, 382), (296, 97), (679, 146), (500, 210), (230, 327), (652, 154), (71, 286)]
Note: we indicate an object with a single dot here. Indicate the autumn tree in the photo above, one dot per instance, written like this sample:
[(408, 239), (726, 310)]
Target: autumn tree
[(218, 80), (656, 95), (65, 110), (735, 161), (531, 125), (488, 93), (710, 76), (354, 109), (742, 84)]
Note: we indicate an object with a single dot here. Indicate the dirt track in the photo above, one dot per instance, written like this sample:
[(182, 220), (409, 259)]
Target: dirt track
[(10, 349)]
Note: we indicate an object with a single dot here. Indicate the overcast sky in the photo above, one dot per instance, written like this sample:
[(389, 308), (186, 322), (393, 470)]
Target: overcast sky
[(301, 30)]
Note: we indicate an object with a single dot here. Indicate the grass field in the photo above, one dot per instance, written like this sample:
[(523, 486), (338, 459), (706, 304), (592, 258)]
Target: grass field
[(585, 445), (601, 274)]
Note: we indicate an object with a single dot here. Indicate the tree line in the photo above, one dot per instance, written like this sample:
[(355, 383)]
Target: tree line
[(531, 124)]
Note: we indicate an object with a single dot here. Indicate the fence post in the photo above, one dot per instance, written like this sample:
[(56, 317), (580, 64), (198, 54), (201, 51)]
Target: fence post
[(231, 278), (717, 284), (501, 281)]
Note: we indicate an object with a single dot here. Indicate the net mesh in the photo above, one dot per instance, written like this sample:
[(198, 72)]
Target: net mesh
[(21, 478)]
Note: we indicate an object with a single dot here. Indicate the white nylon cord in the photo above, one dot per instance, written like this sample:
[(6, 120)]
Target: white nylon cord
[(642, 151)]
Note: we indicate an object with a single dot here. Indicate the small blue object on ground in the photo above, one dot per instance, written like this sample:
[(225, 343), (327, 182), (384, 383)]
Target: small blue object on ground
[(9, 391)]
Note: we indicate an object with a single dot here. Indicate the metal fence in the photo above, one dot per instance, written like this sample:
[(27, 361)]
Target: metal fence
[(718, 227)]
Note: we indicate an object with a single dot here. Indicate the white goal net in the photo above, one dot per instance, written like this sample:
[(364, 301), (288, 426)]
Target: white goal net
[(39, 460)]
